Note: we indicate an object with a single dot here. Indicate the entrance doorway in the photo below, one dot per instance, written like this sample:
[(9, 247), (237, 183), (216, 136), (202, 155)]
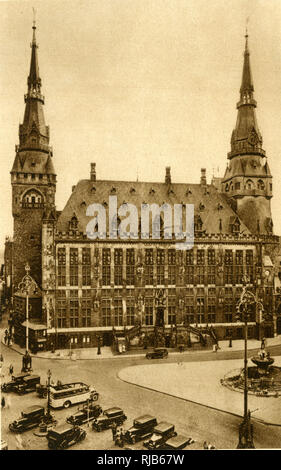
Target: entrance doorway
[(160, 316), (279, 325)]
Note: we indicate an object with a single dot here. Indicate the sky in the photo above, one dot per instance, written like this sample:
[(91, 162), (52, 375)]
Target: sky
[(137, 85)]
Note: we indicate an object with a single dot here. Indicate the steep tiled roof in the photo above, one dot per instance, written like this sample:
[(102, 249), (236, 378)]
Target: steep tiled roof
[(212, 206)]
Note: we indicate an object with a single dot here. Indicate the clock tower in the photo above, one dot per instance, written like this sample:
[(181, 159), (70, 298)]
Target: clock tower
[(33, 179), (247, 180)]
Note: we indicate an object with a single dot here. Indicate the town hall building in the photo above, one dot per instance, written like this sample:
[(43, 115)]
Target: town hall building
[(93, 290)]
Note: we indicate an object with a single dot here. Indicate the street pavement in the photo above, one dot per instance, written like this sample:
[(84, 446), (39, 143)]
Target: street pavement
[(190, 419)]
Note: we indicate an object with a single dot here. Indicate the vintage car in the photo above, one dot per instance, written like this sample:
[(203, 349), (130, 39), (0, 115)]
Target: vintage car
[(109, 416), (161, 433), (30, 418), (65, 436), (141, 429), (28, 384), (158, 353), (177, 442), (84, 414), (12, 384), (3, 445)]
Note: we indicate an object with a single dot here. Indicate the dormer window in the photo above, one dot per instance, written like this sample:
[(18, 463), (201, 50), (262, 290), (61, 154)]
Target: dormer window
[(73, 224), (132, 190), (152, 191), (93, 189), (198, 224), (113, 190), (201, 206), (261, 184), (83, 204)]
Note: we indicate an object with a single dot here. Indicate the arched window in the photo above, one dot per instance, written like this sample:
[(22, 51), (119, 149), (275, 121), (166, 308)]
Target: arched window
[(249, 184), (226, 188), (261, 184), (32, 198)]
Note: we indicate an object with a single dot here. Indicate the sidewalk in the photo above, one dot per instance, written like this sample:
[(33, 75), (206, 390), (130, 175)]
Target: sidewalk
[(106, 352)]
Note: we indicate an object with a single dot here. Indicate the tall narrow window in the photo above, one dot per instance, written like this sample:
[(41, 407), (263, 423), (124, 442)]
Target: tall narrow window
[(148, 268), (130, 266), (86, 266), (73, 309), (73, 269), (172, 267), (61, 267), (86, 307), (106, 259), (118, 266), (160, 259)]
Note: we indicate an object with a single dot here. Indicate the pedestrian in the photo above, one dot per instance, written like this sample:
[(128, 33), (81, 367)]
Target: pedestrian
[(114, 430), (9, 339), (11, 369), (1, 358), (5, 339), (205, 445), (3, 403), (8, 402)]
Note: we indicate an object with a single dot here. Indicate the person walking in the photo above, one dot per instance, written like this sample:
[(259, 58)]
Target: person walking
[(3, 403), (114, 430), (11, 369)]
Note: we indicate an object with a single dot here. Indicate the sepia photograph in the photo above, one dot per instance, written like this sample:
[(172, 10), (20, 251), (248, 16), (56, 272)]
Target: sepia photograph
[(140, 236)]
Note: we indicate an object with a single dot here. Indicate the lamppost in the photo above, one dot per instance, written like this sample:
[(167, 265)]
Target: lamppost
[(27, 286), (247, 299)]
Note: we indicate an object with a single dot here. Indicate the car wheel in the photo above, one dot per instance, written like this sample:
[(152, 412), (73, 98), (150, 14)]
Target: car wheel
[(66, 404), (133, 440), (95, 396), (148, 357)]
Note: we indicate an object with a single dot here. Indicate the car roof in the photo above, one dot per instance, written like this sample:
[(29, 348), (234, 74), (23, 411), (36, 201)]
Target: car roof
[(30, 377), (61, 429), (22, 374), (160, 349), (32, 409), (163, 427), (177, 441), (144, 418), (114, 409)]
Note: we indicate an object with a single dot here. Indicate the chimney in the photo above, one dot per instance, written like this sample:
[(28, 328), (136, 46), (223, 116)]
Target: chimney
[(93, 172), (168, 179), (203, 179)]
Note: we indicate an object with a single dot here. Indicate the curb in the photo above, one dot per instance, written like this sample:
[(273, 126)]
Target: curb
[(258, 420)]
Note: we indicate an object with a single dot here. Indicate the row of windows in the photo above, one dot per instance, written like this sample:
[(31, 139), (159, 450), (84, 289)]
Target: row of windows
[(191, 275), (171, 257)]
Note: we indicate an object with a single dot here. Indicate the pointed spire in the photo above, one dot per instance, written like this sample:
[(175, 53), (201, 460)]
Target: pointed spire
[(247, 86), (246, 137), (34, 81)]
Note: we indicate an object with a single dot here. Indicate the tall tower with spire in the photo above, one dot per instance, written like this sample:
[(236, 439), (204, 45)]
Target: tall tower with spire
[(33, 178), (247, 180)]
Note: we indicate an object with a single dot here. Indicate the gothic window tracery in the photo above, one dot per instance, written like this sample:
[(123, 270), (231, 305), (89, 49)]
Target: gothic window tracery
[(32, 199)]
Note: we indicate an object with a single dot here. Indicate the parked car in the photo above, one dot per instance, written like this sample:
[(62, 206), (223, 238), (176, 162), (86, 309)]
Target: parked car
[(12, 384), (84, 414), (30, 418), (177, 442), (141, 429), (161, 433), (109, 416), (65, 436), (3, 445), (158, 353), (42, 390), (28, 384)]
